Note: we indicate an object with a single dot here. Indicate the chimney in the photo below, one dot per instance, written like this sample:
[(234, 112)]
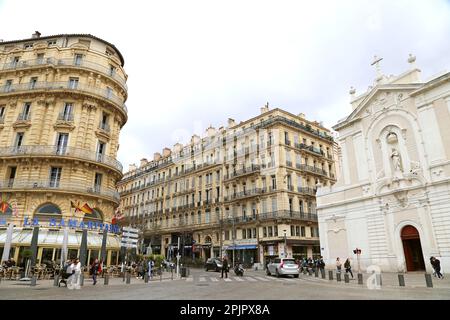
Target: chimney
[(166, 152), (143, 162), (211, 131), (231, 122), (177, 147), (352, 93), (36, 34), (301, 115), (195, 139), (156, 156), (132, 167)]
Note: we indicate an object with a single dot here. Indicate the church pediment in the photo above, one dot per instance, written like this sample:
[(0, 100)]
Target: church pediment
[(380, 98)]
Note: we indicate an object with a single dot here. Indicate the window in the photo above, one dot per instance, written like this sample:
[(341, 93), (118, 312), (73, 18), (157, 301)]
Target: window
[(15, 62), (33, 82), (254, 233), (28, 46), (244, 234), (109, 92), (78, 58), (98, 183), (61, 143), (112, 70), (2, 113), (303, 232), (274, 205), (274, 183), (227, 235), (67, 112), (8, 85), (297, 231), (55, 177), (269, 229), (12, 176), (25, 115), (264, 232), (288, 158), (207, 216), (51, 43), (275, 231), (292, 231), (100, 151), (199, 217), (73, 83), (48, 208), (19, 139)]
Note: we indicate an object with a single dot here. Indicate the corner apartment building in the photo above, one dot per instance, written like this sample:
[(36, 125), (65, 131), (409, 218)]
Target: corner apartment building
[(61, 111), (247, 190)]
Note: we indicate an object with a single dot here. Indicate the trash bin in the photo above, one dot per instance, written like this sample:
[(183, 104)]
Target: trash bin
[(183, 272)]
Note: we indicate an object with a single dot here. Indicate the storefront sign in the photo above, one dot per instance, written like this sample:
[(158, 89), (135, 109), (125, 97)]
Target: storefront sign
[(71, 223)]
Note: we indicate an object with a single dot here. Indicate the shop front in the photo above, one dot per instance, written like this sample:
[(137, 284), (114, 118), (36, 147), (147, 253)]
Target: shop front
[(244, 252), (50, 242), (270, 251)]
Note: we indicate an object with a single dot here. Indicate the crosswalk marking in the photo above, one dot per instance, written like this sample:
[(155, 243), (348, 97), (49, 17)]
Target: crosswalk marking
[(250, 279), (237, 279), (202, 279), (227, 279), (262, 279), (190, 278), (214, 279)]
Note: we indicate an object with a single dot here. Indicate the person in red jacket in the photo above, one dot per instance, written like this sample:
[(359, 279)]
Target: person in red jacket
[(96, 268)]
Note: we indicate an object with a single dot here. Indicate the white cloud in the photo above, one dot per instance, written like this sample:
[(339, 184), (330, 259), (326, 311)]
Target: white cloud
[(195, 63)]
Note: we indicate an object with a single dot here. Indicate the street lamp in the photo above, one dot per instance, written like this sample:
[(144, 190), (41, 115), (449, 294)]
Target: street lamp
[(285, 244)]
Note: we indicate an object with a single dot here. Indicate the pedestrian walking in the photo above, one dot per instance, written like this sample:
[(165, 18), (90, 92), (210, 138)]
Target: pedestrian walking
[(321, 263), (150, 268), (225, 267), (338, 265), (436, 264), (140, 270), (95, 269), (75, 279), (348, 267), (70, 270)]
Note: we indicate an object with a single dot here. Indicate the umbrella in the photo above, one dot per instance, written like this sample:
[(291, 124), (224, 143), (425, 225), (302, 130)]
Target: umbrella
[(7, 248)]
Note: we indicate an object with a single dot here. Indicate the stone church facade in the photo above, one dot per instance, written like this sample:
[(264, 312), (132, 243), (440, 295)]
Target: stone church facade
[(392, 199)]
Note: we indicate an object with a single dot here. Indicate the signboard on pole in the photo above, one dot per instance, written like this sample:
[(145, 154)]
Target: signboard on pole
[(130, 237)]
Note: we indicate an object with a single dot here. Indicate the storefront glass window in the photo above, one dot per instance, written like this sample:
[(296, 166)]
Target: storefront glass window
[(72, 254), (47, 255)]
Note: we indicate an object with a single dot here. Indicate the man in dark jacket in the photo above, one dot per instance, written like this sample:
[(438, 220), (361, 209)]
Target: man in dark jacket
[(225, 267), (436, 266), (95, 270)]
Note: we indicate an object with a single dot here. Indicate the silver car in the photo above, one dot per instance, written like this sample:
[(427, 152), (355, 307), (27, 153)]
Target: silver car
[(282, 267)]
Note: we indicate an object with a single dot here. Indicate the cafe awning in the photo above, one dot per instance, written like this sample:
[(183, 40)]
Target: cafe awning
[(242, 247), (54, 238)]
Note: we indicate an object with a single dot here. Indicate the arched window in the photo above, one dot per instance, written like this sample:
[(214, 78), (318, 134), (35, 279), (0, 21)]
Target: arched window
[(48, 208)]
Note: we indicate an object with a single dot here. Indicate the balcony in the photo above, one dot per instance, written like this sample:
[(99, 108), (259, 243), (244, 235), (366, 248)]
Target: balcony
[(287, 142), (307, 190), (289, 163), (24, 116), (312, 169), (104, 126), (58, 86), (60, 151), (37, 185), (244, 171), (286, 214), (311, 149), (85, 64), (67, 117), (243, 194)]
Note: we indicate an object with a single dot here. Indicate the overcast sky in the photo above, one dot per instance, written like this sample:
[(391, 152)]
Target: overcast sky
[(196, 63)]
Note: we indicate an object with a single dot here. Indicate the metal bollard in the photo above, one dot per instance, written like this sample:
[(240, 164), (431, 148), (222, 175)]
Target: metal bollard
[(330, 274), (128, 277), (316, 273), (360, 278), (378, 278), (338, 276), (146, 277), (401, 280), (322, 272), (428, 280), (82, 279), (346, 278), (160, 276), (56, 280), (106, 281), (33, 281), (123, 276), (172, 273)]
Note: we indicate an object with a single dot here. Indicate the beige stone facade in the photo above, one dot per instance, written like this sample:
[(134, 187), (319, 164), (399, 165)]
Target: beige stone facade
[(61, 111), (392, 197), (247, 188)]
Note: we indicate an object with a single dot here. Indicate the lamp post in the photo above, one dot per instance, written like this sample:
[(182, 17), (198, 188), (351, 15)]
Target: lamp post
[(285, 244)]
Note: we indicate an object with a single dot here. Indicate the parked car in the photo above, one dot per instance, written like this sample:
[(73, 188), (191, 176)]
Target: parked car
[(282, 267), (213, 264)]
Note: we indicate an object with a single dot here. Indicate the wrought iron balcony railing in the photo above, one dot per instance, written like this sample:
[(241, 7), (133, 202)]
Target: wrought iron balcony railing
[(60, 151)]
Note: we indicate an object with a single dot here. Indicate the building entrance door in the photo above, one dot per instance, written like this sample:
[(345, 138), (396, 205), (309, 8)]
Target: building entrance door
[(412, 249)]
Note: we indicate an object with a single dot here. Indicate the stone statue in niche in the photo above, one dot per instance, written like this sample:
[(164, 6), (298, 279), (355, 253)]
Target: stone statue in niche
[(396, 160)]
